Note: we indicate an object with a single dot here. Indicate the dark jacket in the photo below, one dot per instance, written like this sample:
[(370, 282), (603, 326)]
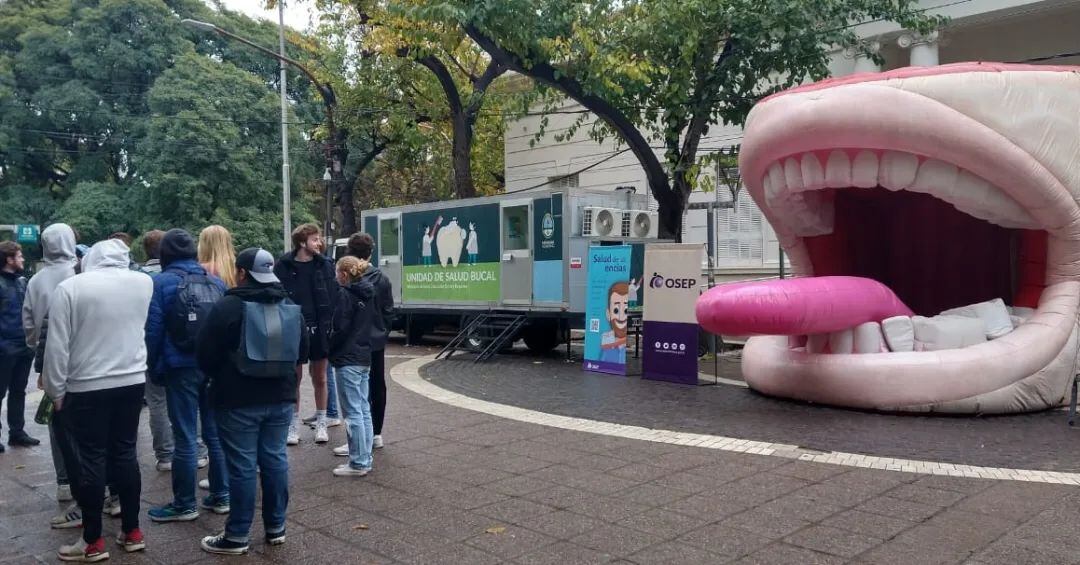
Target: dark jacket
[(161, 355), (350, 338), (220, 338), (12, 294), (383, 319), (324, 291)]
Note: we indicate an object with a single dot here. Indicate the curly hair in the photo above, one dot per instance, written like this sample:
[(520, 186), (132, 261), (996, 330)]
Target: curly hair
[(352, 267)]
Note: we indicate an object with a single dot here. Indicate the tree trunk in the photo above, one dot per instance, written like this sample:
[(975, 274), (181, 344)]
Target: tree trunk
[(346, 204), (462, 157)]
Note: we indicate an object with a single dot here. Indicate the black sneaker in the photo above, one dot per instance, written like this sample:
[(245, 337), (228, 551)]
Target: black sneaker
[(24, 440), (275, 539), (221, 546)]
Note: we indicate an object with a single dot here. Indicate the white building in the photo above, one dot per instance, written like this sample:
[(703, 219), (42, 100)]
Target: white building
[(979, 30)]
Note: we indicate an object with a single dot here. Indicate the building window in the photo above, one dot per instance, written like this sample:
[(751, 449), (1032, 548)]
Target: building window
[(740, 231), (563, 181)]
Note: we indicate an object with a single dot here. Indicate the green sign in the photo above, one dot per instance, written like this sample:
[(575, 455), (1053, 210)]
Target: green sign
[(27, 233), (451, 254)]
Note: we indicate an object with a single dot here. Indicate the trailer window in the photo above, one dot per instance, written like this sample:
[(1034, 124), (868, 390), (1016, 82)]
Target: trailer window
[(516, 228), (388, 237)]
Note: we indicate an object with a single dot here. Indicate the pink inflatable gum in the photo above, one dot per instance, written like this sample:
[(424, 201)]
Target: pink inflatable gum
[(795, 307)]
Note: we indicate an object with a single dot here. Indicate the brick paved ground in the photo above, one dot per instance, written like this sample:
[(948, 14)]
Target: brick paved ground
[(550, 384), (454, 486)]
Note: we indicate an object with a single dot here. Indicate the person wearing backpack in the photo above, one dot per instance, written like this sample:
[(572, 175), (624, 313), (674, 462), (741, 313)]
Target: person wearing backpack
[(248, 349), (183, 297)]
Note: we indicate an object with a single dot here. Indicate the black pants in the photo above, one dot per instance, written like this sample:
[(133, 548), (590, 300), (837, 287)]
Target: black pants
[(105, 426), (377, 389), (66, 442), (14, 374)]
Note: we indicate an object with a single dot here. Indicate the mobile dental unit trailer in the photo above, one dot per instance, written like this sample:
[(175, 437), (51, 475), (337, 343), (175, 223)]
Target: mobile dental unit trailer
[(514, 254)]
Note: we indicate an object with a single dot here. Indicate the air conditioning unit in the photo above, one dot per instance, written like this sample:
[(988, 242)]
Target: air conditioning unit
[(643, 223), (600, 222)]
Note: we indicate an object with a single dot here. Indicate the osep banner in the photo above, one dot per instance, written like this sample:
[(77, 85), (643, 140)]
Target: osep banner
[(672, 273), (606, 307)]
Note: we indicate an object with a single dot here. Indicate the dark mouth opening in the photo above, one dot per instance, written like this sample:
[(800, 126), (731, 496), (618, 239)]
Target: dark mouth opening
[(933, 256)]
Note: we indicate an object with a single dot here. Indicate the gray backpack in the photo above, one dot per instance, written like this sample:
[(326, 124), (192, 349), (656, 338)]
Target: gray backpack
[(269, 340)]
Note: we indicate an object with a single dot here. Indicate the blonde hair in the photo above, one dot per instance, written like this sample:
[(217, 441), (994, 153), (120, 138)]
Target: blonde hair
[(352, 267), (216, 254)]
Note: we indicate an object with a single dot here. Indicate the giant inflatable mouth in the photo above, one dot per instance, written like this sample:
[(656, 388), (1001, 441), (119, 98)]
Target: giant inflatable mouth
[(950, 185)]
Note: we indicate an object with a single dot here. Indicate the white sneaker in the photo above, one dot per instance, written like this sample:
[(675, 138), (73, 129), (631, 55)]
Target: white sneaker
[(376, 442), (294, 434), (342, 450), (63, 493), (82, 552), (310, 420), (321, 435), (112, 506), (201, 462), (333, 422), (204, 484), (347, 471), (71, 517)]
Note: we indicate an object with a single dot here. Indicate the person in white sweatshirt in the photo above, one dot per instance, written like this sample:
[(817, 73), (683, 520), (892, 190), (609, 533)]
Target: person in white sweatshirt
[(95, 372)]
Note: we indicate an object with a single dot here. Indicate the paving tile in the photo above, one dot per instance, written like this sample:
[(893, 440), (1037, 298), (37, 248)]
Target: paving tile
[(511, 542), (514, 510), (617, 540), (562, 553), (609, 509), (784, 553), (664, 523), (808, 471), (766, 522), (454, 554), (651, 494), (674, 552), (519, 485), (562, 524), (1014, 501), (834, 541), (868, 524), (926, 495), (801, 507), (725, 540), (894, 507)]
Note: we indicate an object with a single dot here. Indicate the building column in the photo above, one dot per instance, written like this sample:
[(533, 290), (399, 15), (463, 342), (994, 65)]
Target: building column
[(924, 48), (864, 63)]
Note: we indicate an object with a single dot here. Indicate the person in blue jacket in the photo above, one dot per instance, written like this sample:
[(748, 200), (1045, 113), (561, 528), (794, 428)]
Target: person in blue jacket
[(185, 385)]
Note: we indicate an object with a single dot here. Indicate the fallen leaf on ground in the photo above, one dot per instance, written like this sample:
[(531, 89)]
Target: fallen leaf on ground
[(360, 527), (20, 466), (496, 529)]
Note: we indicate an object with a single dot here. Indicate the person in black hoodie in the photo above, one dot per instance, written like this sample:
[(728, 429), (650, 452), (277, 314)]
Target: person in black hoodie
[(253, 412), (361, 246), (350, 355)]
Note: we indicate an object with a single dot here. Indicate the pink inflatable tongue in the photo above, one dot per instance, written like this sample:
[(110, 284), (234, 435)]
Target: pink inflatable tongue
[(799, 306)]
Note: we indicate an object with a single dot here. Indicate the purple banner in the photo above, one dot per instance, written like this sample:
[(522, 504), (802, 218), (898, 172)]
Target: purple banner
[(671, 352)]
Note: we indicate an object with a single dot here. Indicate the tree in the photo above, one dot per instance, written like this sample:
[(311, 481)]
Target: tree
[(664, 71), (463, 72), (217, 159)]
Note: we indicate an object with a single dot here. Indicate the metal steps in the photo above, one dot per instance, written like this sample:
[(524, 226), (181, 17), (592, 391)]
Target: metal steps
[(485, 335)]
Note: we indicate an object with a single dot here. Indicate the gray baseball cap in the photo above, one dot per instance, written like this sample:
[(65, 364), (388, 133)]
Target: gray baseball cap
[(259, 263)]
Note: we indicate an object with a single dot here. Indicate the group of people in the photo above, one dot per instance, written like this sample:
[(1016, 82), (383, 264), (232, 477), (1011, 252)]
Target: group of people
[(214, 343)]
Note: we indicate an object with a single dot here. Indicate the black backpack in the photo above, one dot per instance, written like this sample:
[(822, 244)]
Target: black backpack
[(195, 296)]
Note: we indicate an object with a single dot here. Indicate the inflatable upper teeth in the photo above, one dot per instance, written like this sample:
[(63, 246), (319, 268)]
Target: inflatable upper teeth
[(792, 186)]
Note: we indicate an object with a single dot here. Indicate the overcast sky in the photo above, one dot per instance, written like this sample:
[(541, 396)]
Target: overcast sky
[(298, 13)]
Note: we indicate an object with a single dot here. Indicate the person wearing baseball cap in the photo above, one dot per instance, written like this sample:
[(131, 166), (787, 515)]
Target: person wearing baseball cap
[(253, 394)]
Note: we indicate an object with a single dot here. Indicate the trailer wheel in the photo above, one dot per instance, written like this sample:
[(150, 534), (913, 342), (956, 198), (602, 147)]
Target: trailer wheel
[(542, 337)]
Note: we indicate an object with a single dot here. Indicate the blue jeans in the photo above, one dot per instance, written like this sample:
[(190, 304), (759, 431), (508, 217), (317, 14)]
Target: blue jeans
[(331, 393), (185, 394), (353, 388), (255, 435)]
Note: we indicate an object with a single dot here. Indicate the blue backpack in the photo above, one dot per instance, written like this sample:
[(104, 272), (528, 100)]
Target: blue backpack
[(270, 337), (195, 297)]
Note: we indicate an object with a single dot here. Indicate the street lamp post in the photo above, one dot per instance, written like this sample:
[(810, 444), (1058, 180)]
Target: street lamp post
[(328, 220), (333, 164)]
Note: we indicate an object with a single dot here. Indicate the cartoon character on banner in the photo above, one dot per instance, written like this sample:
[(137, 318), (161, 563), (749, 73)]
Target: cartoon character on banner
[(426, 239), (450, 241), (613, 342), (472, 246)]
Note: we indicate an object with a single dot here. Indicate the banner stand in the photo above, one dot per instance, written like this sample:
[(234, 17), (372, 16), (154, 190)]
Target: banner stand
[(672, 273)]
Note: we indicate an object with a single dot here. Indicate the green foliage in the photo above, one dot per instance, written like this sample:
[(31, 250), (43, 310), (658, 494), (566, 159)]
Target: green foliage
[(96, 210)]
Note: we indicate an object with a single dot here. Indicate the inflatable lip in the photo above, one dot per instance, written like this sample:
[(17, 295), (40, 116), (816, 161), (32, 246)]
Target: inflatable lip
[(998, 143)]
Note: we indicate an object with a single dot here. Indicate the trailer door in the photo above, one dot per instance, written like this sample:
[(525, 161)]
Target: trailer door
[(389, 250), (517, 256)]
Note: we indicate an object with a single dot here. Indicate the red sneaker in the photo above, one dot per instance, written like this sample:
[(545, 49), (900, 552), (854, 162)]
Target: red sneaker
[(132, 541), (82, 552)]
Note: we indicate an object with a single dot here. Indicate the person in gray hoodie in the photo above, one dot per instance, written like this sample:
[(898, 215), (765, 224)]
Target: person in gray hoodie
[(58, 247), (96, 380)]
